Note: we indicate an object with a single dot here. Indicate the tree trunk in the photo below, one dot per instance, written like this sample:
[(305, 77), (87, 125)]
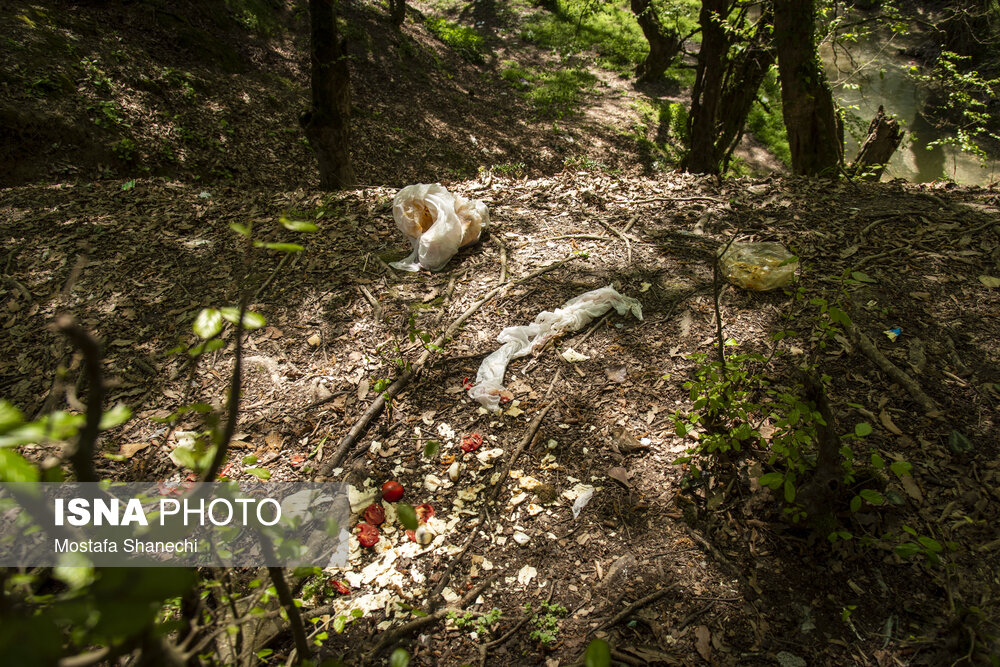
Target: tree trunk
[(397, 11), (884, 137), (806, 102), (743, 79), (326, 124), (707, 92), (664, 45)]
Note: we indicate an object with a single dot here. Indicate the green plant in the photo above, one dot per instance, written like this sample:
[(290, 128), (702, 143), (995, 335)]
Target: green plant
[(545, 621), (465, 41), (479, 623), (552, 94)]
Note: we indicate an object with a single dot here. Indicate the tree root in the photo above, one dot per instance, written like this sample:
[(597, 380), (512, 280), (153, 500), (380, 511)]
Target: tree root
[(916, 393)]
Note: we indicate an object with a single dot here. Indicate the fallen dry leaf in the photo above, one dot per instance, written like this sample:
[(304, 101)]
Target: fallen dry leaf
[(130, 449), (703, 642), (886, 421)]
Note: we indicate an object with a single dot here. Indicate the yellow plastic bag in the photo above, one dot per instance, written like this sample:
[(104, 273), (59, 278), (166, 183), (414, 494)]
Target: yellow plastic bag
[(758, 266)]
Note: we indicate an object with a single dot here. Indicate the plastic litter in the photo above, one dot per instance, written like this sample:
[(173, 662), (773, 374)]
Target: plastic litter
[(893, 334), (437, 223), (520, 341), (758, 266)]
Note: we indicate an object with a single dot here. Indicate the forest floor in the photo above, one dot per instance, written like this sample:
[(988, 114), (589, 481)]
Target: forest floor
[(741, 586), (134, 255)]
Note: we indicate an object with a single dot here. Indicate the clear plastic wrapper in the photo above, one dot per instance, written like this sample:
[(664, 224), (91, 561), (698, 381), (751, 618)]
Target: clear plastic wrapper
[(520, 341)]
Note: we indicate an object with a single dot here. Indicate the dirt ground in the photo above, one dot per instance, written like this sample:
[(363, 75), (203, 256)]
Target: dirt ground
[(737, 585), (668, 572)]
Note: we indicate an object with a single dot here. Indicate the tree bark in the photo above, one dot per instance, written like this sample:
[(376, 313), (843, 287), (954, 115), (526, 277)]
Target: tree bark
[(326, 124), (664, 45), (806, 102), (397, 11), (884, 137), (743, 79), (706, 95)]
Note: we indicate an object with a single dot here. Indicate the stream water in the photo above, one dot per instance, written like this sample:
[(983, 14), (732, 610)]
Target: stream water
[(880, 73)]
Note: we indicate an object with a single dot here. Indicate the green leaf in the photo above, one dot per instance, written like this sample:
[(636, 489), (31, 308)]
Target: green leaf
[(251, 320), (789, 491), (908, 550), (901, 468), (871, 496), (407, 516), (930, 544), (863, 429), (241, 229), (9, 416), (15, 468), (208, 323), (431, 448), (283, 247), (338, 624), (598, 654), (264, 652), (772, 480), (840, 317), (260, 473), (907, 529), (862, 277), (249, 460), (856, 503), (213, 345), (116, 416), (877, 461), (297, 225), (958, 443), (399, 658)]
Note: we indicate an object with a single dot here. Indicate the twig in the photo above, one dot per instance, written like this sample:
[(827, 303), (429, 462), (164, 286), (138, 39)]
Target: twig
[(411, 370), (393, 636), (285, 597), (583, 339), (386, 267), (716, 291), (503, 257), (656, 199), (324, 401), (25, 292), (82, 457), (232, 405), (638, 604), (376, 306), (868, 348), (590, 237), (267, 282)]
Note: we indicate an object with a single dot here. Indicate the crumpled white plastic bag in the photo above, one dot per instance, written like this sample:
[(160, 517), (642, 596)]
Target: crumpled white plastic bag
[(437, 224), (518, 342)]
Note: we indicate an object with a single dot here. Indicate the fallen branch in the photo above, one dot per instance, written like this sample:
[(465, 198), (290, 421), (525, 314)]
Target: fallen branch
[(413, 369), (82, 457), (656, 199), (916, 393), (393, 636), (635, 606)]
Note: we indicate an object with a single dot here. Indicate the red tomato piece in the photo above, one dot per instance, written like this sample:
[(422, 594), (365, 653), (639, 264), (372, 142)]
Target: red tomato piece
[(412, 534), (341, 588), (367, 534), (424, 512), (375, 514), (471, 442), (392, 491)]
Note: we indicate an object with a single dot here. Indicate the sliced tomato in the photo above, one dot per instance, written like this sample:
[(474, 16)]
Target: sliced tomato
[(375, 514), (367, 534), (471, 442)]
